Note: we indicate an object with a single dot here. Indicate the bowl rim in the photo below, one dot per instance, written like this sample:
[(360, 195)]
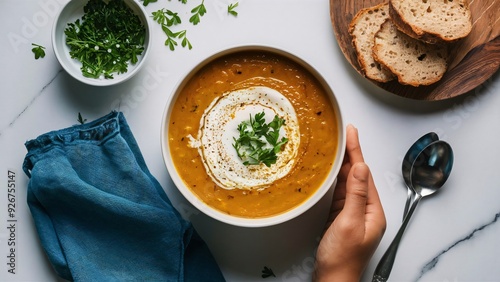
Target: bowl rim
[(73, 69), (285, 216)]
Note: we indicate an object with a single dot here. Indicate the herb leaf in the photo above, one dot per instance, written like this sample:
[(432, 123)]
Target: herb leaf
[(185, 42), (146, 2), (38, 50), (258, 141), (231, 7), (80, 119), (166, 17), (267, 272), (198, 12)]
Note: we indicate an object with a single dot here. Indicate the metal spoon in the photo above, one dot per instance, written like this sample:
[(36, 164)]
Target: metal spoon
[(429, 172), (408, 160)]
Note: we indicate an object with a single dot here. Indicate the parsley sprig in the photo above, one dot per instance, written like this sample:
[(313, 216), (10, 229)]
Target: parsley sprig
[(38, 50), (146, 2), (231, 9), (198, 12), (259, 141), (107, 38), (167, 19), (267, 272), (80, 118)]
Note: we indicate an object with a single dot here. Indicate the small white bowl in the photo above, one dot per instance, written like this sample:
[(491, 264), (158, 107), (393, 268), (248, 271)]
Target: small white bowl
[(72, 11), (252, 222)]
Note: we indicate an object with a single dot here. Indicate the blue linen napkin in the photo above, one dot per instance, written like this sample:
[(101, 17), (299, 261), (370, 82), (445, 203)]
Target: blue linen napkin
[(101, 215)]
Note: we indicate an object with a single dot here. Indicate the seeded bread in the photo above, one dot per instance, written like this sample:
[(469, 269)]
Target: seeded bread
[(362, 29), (432, 21), (412, 61)]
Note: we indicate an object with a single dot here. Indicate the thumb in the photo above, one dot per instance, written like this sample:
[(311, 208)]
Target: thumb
[(357, 192)]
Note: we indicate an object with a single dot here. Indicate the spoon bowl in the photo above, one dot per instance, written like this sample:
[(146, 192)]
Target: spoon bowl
[(429, 172), (431, 168), (408, 160)]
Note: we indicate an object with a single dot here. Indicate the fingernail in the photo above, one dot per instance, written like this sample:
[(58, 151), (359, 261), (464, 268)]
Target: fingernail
[(361, 172)]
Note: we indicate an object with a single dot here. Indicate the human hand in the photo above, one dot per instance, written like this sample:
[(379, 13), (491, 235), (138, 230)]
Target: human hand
[(356, 223)]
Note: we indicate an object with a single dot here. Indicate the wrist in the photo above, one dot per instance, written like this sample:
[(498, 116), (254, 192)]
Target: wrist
[(343, 275)]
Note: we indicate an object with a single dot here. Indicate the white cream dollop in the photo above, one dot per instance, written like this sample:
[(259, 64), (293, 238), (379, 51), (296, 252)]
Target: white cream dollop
[(219, 127)]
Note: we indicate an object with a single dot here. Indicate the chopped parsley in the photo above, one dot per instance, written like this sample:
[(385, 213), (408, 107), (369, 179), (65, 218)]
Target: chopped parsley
[(259, 141), (106, 39)]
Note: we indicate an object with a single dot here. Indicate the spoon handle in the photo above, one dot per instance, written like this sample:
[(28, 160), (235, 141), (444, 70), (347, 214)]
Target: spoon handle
[(409, 199), (385, 264)]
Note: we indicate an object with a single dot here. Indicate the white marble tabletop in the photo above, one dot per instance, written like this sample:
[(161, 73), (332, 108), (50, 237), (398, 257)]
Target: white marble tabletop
[(453, 235)]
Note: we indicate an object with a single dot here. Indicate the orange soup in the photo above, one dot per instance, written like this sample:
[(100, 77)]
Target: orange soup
[(317, 126)]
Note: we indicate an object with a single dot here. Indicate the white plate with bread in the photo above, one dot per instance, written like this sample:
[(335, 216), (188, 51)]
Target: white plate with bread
[(420, 49)]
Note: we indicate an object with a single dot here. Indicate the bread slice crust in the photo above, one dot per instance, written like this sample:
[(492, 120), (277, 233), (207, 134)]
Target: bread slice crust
[(362, 28), (414, 62), (432, 21)]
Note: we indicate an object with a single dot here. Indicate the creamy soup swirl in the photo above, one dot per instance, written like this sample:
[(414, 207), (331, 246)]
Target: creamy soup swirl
[(219, 128)]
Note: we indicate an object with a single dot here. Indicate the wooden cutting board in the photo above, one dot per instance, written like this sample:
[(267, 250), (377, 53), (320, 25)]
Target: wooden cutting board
[(475, 58)]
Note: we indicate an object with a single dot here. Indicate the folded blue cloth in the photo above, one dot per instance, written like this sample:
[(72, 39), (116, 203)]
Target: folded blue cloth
[(102, 216)]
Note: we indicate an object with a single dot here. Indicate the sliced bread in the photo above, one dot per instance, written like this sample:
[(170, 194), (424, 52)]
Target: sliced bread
[(432, 21), (411, 60), (362, 29)]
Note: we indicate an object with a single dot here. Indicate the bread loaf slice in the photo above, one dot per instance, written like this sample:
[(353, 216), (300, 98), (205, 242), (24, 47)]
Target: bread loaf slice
[(411, 60), (362, 28), (432, 21)]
